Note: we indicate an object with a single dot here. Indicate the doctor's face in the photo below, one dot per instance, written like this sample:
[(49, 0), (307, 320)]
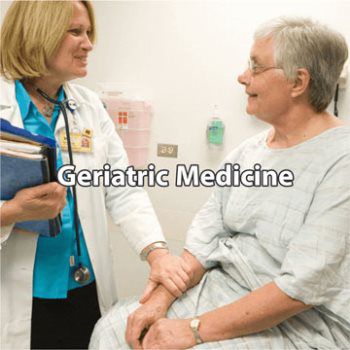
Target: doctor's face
[(70, 60), (267, 87)]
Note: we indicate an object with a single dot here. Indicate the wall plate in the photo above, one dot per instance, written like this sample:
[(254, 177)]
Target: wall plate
[(167, 150)]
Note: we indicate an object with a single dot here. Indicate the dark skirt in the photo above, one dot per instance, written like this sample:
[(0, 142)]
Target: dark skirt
[(65, 323)]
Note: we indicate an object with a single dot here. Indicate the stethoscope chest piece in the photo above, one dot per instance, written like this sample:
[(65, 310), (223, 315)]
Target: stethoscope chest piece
[(81, 275)]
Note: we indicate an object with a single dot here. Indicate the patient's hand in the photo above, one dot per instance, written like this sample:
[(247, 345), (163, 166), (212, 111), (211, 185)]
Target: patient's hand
[(142, 318), (169, 334), (171, 271)]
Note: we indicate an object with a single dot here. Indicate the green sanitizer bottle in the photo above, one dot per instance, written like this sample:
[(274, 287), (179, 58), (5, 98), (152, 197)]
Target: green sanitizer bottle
[(215, 129)]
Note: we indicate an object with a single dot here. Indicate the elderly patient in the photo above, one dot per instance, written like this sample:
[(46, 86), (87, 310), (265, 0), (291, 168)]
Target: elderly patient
[(270, 265)]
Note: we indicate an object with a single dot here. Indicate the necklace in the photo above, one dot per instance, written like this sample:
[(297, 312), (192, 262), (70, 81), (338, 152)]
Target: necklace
[(47, 110), (48, 107)]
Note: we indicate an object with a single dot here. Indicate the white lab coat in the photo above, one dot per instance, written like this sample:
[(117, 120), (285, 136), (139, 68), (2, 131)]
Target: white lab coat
[(130, 208)]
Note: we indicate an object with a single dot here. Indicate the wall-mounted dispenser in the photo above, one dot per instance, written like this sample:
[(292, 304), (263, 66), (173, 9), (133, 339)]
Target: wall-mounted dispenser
[(215, 129), (132, 118)]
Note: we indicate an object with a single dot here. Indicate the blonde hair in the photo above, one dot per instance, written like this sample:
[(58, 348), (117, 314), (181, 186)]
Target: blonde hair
[(31, 33)]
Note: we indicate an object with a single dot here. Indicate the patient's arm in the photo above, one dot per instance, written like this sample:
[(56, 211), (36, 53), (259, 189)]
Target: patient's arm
[(158, 304), (259, 310)]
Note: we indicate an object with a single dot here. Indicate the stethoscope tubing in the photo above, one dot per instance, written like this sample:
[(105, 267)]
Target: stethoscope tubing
[(70, 154)]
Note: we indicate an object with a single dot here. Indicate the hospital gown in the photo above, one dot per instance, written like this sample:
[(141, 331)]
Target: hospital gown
[(298, 237)]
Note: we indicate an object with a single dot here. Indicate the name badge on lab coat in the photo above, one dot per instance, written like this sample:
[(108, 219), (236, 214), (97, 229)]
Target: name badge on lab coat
[(81, 141)]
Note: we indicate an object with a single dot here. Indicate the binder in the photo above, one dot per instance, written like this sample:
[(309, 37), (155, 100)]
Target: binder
[(27, 160)]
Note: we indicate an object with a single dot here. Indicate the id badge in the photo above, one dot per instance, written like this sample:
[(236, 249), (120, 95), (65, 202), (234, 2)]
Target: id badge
[(81, 142)]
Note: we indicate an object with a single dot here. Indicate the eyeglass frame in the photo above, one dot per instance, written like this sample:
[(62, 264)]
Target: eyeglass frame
[(255, 70)]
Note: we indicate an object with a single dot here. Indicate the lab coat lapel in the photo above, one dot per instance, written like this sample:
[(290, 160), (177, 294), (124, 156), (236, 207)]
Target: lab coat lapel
[(9, 108), (75, 120)]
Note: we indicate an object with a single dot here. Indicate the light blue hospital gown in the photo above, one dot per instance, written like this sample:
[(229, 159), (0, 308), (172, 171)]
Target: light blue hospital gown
[(297, 236)]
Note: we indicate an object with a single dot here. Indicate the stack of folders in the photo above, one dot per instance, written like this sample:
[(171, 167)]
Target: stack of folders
[(27, 160)]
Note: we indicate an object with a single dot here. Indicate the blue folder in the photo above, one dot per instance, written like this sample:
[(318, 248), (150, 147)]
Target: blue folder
[(18, 172)]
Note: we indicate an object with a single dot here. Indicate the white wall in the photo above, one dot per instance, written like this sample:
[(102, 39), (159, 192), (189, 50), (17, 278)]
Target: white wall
[(185, 56)]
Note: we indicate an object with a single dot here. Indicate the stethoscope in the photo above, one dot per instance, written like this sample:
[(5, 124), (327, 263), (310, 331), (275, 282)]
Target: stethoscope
[(81, 274)]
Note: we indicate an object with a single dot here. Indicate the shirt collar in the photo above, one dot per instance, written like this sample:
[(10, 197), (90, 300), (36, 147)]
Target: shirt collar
[(24, 100)]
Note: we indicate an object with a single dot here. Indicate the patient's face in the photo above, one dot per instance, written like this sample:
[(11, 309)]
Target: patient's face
[(266, 86)]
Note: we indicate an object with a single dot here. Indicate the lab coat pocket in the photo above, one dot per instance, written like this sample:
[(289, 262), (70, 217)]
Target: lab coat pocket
[(15, 333)]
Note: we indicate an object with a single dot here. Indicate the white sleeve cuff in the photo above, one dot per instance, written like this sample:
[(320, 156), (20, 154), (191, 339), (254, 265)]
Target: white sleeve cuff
[(5, 230)]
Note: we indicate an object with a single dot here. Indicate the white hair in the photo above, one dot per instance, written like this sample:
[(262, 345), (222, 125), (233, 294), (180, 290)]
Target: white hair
[(304, 43)]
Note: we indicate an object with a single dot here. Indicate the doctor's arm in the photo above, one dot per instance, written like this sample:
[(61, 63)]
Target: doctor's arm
[(131, 209), (167, 269)]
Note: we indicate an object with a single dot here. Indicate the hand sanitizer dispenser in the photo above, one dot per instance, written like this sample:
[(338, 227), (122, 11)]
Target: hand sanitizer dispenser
[(215, 128)]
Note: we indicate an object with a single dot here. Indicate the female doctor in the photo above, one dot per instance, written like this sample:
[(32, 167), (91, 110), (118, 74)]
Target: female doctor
[(44, 44)]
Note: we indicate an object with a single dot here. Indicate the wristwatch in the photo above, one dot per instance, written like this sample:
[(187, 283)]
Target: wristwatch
[(151, 247), (195, 323)]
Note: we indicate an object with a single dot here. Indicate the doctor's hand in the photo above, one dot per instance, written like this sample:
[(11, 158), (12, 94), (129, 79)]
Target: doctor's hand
[(34, 203), (170, 271)]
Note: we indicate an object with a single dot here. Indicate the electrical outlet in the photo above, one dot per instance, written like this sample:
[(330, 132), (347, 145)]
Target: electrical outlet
[(167, 150)]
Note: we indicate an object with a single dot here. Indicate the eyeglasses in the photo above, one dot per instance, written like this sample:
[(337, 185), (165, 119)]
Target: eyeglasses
[(256, 69)]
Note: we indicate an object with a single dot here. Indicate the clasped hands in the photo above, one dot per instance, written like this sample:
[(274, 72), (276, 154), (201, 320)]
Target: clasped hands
[(148, 327), (169, 270)]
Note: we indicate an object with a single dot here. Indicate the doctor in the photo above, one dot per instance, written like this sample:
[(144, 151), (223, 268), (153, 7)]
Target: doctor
[(44, 44)]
